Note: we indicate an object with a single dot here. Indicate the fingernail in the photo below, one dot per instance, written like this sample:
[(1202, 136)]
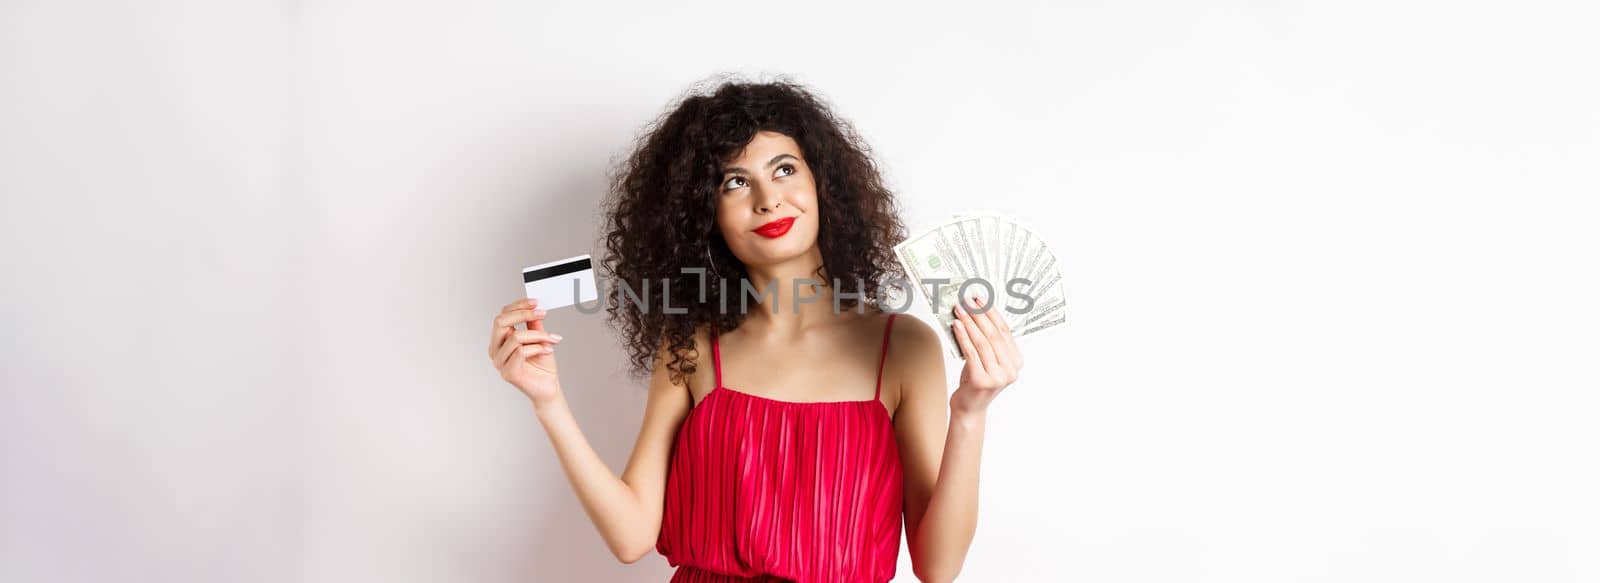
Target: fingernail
[(556, 336), (538, 312)]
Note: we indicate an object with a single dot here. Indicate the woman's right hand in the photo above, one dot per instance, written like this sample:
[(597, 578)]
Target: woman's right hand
[(526, 358)]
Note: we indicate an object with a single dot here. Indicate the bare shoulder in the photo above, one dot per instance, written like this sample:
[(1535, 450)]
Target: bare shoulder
[(915, 363), (697, 359), (913, 340), (704, 377)]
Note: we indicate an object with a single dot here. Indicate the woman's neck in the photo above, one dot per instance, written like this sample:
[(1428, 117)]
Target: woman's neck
[(802, 300)]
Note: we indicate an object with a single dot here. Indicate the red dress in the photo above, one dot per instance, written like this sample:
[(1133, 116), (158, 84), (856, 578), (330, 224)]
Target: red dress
[(761, 489)]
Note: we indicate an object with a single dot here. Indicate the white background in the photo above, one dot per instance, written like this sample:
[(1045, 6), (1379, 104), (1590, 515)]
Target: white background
[(1331, 270)]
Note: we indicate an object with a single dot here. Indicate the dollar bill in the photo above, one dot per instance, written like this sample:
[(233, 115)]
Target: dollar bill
[(942, 260), (930, 261)]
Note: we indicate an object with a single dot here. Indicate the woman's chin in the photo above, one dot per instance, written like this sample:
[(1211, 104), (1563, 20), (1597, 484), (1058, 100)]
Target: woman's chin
[(777, 252)]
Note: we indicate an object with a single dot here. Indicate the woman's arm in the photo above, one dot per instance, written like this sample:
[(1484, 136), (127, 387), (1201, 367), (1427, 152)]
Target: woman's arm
[(626, 510), (942, 438)]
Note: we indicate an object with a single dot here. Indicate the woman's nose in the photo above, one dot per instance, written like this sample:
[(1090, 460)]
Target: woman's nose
[(767, 202)]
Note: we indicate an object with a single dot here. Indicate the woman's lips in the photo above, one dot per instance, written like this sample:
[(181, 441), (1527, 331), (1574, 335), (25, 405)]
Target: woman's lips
[(774, 229)]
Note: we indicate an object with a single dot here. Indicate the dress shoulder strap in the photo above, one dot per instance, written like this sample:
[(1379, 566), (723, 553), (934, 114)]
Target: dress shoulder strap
[(884, 355), (716, 357)]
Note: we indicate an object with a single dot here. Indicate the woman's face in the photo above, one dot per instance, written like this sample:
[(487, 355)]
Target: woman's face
[(763, 188)]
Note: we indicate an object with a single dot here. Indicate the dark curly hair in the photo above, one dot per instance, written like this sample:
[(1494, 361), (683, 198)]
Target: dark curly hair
[(660, 213)]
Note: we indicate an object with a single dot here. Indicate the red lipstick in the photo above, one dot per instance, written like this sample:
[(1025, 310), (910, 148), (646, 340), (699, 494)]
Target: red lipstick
[(774, 229)]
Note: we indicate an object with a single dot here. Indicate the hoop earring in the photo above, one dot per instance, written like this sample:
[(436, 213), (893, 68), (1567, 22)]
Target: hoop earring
[(710, 261)]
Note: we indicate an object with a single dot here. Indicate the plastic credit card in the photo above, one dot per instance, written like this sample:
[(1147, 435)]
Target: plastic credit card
[(560, 283)]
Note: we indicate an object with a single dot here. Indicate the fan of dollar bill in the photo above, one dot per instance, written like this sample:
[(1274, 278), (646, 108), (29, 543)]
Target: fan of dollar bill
[(1022, 277)]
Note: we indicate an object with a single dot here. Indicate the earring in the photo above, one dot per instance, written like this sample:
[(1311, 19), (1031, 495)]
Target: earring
[(710, 261)]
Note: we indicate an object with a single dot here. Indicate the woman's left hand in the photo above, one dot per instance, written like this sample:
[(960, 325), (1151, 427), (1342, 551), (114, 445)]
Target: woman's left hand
[(991, 354)]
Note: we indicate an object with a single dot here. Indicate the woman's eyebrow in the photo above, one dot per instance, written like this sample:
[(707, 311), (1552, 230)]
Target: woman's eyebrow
[(774, 160)]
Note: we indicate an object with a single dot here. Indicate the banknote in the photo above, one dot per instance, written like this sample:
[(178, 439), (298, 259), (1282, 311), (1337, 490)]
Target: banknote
[(931, 262), (1015, 269)]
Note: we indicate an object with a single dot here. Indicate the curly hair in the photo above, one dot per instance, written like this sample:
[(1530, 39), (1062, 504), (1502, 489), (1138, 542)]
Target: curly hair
[(660, 214)]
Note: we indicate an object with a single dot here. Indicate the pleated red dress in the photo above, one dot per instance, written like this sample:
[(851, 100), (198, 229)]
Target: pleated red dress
[(766, 490)]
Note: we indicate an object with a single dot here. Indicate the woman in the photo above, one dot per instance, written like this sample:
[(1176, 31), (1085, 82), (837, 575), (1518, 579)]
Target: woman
[(783, 439)]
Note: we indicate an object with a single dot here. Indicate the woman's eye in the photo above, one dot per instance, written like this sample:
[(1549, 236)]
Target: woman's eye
[(730, 183)]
